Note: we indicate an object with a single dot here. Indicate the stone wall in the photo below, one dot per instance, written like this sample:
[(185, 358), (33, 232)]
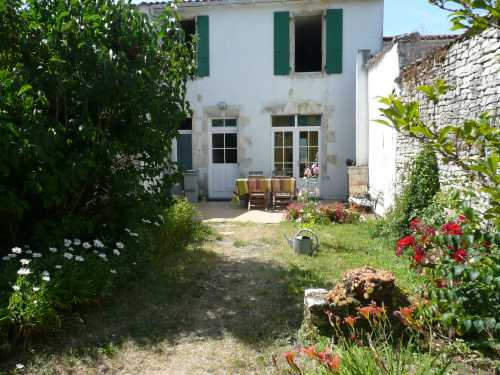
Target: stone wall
[(472, 67)]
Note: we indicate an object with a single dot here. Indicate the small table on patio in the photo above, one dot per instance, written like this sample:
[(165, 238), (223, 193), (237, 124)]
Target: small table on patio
[(240, 192)]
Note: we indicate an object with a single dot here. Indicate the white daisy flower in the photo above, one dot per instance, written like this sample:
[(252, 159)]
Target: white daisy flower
[(16, 288), (25, 262), (23, 271), (36, 289), (98, 244), (127, 230), (29, 252), (37, 255), (120, 245), (77, 242), (68, 255), (17, 250), (52, 249), (157, 224), (102, 256), (113, 271), (79, 258), (19, 366), (116, 251), (46, 278), (133, 234), (86, 245), (58, 266), (67, 243), (146, 221)]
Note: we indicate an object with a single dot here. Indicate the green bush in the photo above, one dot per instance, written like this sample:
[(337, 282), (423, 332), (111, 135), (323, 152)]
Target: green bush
[(91, 95), (419, 191)]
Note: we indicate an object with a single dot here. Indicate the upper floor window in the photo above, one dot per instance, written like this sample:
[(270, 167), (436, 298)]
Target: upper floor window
[(309, 43)]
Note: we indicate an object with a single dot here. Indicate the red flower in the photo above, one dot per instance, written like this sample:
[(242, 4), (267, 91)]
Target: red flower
[(461, 218), (419, 254), (331, 362), (452, 229), (459, 255), (403, 243), (310, 352), (415, 224)]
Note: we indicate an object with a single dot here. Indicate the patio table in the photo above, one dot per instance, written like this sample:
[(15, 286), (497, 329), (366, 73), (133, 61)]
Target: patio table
[(241, 187)]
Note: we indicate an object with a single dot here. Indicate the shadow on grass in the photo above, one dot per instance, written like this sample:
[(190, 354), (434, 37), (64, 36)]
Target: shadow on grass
[(193, 295)]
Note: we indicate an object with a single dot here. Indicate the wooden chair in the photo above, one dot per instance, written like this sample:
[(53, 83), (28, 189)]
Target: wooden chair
[(257, 194), (282, 192)]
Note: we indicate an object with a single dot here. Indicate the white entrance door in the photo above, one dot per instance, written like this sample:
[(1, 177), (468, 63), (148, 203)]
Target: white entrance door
[(224, 168)]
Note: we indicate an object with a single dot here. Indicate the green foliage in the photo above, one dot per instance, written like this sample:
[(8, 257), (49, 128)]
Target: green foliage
[(91, 94), (472, 15), (420, 188), (37, 290), (473, 146)]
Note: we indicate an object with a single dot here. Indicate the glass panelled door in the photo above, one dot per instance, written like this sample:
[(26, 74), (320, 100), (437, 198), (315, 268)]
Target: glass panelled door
[(295, 144)]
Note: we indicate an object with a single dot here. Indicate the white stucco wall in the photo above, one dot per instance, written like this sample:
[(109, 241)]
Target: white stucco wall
[(382, 139), (241, 75)]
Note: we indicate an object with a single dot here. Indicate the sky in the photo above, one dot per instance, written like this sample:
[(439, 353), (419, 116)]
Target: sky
[(404, 16)]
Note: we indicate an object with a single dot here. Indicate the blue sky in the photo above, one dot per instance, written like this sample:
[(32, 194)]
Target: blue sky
[(402, 16)]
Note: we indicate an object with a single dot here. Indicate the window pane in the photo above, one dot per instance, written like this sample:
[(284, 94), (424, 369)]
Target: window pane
[(303, 155), (187, 124), (231, 140), (288, 139), (218, 156), (288, 157), (231, 123), (217, 123), (308, 43), (217, 140), (281, 121), (278, 155), (288, 169), (313, 154), (309, 120), (231, 156), (301, 169), (313, 139), (303, 139), (278, 139)]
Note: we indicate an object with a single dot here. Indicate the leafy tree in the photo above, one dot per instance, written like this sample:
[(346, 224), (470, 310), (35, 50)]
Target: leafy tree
[(472, 15), (91, 95), (474, 146)]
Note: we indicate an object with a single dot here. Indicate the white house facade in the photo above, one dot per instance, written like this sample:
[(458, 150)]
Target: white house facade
[(276, 88)]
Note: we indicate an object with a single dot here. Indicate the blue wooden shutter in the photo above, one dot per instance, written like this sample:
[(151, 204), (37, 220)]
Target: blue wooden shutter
[(203, 51), (185, 151), (282, 43), (334, 40)]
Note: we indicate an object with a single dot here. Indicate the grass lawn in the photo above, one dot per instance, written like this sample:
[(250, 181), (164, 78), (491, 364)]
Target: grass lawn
[(224, 308)]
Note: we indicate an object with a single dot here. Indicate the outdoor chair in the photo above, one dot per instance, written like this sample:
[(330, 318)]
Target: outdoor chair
[(282, 189), (257, 194)]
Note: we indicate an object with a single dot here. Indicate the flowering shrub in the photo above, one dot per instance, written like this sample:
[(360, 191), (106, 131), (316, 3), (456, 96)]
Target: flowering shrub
[(461, 266), (321, 213), (37, 286)]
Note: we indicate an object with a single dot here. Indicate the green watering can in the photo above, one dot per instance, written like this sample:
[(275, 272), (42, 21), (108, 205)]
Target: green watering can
[(305, 242)]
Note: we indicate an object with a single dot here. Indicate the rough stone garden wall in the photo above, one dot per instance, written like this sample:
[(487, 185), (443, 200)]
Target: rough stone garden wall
[(472, 67)]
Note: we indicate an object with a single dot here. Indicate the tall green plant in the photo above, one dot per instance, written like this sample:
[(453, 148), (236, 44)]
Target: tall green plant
[(91, 94)]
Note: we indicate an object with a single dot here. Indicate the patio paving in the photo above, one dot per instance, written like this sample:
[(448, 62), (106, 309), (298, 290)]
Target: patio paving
[(227, 211)]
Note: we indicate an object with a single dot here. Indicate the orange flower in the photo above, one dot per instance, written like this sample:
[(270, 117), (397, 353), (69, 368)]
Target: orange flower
[(310, 352), (290, 357), (331, 362), (370, 310), (407, 312), (351, 321)]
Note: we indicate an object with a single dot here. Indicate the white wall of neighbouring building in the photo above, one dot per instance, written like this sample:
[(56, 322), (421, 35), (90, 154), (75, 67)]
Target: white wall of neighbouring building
[(382, 73), (242, 76)]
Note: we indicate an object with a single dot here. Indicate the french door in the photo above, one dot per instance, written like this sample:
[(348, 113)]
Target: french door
[(295, 147)]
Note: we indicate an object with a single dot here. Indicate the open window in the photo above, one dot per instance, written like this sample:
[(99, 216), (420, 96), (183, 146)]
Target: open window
[(308, 43), (189, 28)]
